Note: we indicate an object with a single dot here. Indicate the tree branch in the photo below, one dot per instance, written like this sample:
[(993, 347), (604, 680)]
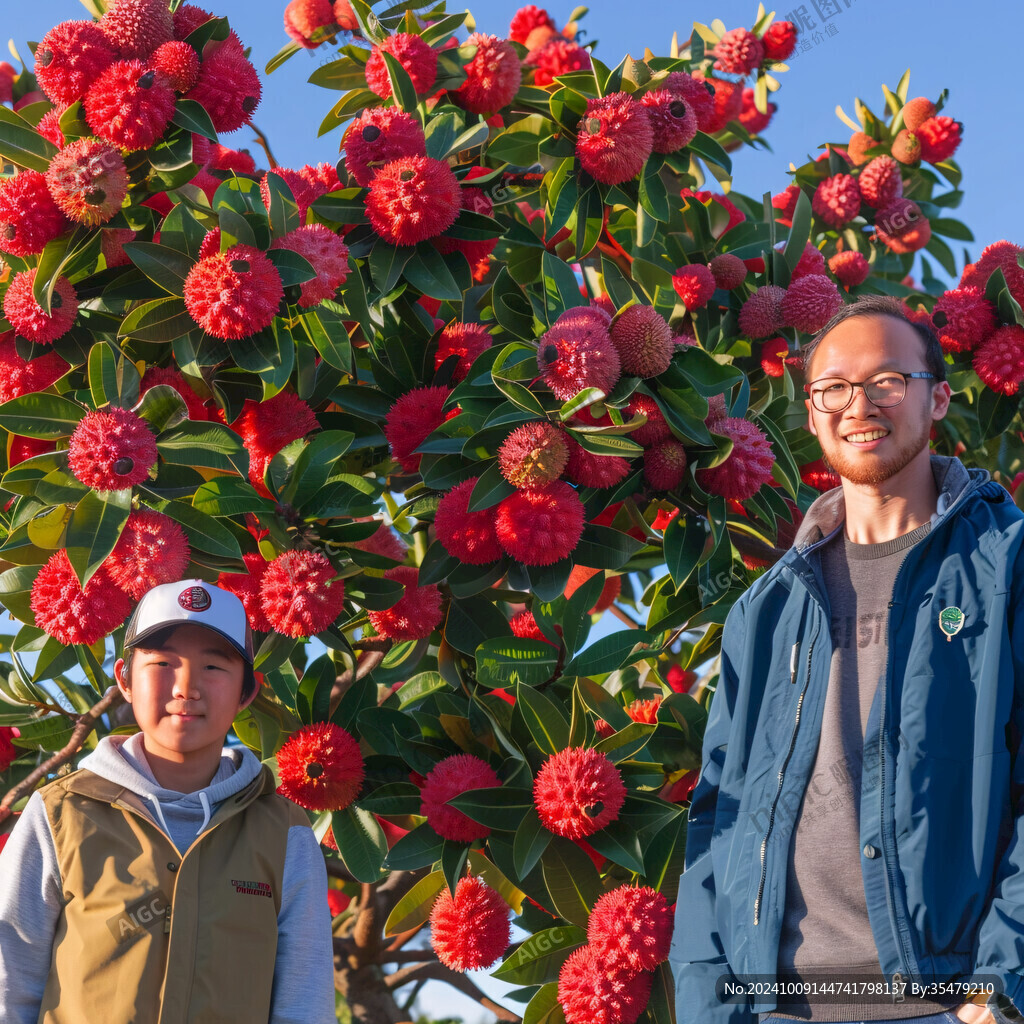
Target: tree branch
[(84, 724), (438, 972), (408, 956)]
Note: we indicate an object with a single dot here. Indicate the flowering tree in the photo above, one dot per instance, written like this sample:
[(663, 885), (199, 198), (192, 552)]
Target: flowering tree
[(504, 369)]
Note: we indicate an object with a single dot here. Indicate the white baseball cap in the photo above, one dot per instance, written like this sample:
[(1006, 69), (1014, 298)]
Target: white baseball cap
[(191, 601)]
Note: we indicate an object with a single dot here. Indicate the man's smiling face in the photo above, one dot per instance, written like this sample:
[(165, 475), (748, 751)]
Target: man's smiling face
[(865, 444)]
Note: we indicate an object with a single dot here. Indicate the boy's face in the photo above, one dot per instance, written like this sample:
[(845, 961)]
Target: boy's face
[(186, 693)]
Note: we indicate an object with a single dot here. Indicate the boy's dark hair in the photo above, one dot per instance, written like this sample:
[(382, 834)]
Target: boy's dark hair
[(158, 639), (883, 305)]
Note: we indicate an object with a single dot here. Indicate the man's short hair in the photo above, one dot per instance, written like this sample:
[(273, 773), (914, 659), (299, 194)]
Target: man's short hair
[(883, 305)]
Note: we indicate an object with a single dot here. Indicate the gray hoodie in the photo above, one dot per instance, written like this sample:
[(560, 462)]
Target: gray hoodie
[(31, 890)]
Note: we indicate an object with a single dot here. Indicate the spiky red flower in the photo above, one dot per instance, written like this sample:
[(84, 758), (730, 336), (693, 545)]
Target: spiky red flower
[(228, 86), (235, 293), (29, 218), (418, 59), (940, 138), (727, 99), (112, 449), (761, 314), (23, 376), (377, 137), (493, 75), (450, 777), (464, 340), (222, 158), (837, 200), (850, 267), (590, 470), (136, 28), (307, 184), (88, 181), (694, 92), (902, 227), (728, 271), (299, 593), (631, 926), (384, 542), (49, 127), (645, 711), (8, 752), (328, 255), (128, 106), (177, 64), (694, 284), (577, 353), (525, 20), (472, 929), (785, 203), (410, 420), (673, 120), (609, 592), (963, 318), (999, 360), (643, 340), (151, 550), (748, 466), (773, 354), (533, 455), (656, 428), (524, 625), (69, 58), (591, 991), (779, 40), (1002, 256), (615, 138), (738, 52), (69, 613), (306, 20), (412, 199), (810, 302), (26, 316), (416, 614), (542, 526), (557, 57), (881, 182), (811, 262), (665, 464), (320, 767), (578, 791), (187, 18), (470, 537), (246, 587), (266, 427)]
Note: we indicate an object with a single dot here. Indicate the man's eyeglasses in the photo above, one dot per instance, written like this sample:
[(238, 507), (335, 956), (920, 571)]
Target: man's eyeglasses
[(884, 390)]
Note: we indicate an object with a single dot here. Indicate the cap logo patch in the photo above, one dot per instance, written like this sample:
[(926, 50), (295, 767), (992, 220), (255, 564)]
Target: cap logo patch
[(195, 599)]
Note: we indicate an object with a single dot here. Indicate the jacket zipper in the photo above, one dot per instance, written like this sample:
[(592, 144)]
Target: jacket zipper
[(782, 775)]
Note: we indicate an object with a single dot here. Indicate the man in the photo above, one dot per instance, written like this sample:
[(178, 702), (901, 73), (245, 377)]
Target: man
[(857, 829)]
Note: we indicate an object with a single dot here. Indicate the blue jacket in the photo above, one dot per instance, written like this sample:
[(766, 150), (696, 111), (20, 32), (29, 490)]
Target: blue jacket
[(942, 797)]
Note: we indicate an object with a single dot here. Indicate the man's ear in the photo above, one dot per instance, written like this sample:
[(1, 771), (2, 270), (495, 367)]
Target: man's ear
[(122, 680), (810, 417)]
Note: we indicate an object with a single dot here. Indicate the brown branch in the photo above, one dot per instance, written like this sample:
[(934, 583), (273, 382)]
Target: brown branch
[(623, 617), (261, 141), (366, 933), (365, 664), (408, 956), (438, 972), (84, 724), (373, 643), (402, 938)]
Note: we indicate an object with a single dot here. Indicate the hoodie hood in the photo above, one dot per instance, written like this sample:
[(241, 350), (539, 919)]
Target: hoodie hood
[(828, 513), (182, 816)]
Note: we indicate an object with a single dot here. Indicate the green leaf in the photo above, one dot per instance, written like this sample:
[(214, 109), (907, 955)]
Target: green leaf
[(192, 116), (432, 276), (203, 532), (284, 210), (208, 444), (518, 144), (293, 267), (608, 653), (561, 290), (490, 488), (40, 415), (161, 320), (329, 338), (341, 74), (572, 881), (112, 381), (64, 257), (419, 849), (94, 528), (506, 661), (602, 547), (362, 844), (500, 807), (313, 697), (531, 841), (539, 958), (544, 718), (161, 407), (653, 192), (401, 84), (684, 543), (22, 144), (544, 1007), (386, 264), (710, 150), (800, 232), (163, 265), (413, 909), (619, 843)]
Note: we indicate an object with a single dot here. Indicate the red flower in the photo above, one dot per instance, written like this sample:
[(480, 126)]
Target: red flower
[(999, 360), (320, 768), (631, 926), (413, 199), (299, 593), (738, 52), (177, 64), (558, 57), (543, 526), (384, 542), (655, 429), (810, 302), (609, 592), (128, 107), (694, 92), (748, 466), (450, 777), (493, 75), (881, 182), (524, 625), (88, 181), (466, 341), (939, 137), (643, 340), (665, 464), (779, 40), (819, 476), (577, 792), (307, 184), (615, 138), (246, 586), (417, 58), (694, 284), (469, 536), (590, 470), (727, 99), (234, 294), (69, 58), (963, 318), (337, 901), (112, 450), (471, 929), (266, 427), (850, 267), (69, 613), (49, 127), (902, 227), (377, 137), (29, 218), (187, 18), (837, 200), (228, 87), (26, 316), (673, 119), (729, 271), (525, 20), (136, 28), (411, 420), (326, 252), (592, 991), (416, 614), (785, 203), (1002, 256), (23, 376), (8, 752), (811, 262), (151, 550), (306, 20), (577, 353), (680, 680)]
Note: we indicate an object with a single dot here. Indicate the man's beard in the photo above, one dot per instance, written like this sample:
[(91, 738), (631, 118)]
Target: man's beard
[(870, 469)]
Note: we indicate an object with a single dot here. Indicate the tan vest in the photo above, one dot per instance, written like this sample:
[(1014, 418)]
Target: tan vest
[(149, 936)]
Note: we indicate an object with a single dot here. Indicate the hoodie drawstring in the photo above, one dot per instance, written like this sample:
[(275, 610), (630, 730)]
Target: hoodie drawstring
[(205, 801), (160, 814)]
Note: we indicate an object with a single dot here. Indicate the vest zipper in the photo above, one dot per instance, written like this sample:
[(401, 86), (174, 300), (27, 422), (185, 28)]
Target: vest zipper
[(782, 776)]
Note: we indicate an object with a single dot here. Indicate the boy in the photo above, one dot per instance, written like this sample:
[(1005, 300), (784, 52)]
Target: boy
[(165, 881)]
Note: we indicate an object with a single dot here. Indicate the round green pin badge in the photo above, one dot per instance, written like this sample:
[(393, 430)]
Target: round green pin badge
[(951, 621)]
